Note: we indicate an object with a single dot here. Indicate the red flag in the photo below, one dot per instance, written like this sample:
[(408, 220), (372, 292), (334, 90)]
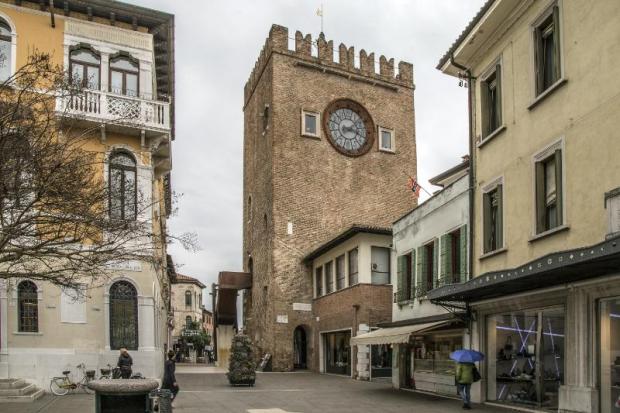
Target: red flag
[(413, 185)]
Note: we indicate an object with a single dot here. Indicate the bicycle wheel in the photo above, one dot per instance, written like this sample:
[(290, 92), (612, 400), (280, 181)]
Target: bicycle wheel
[(87, 389), (59, 386)]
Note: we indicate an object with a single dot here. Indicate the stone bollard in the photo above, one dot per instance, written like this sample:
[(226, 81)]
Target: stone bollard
[(164, 400)]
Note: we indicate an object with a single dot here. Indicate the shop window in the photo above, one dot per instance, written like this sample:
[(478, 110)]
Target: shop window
[(28, 301), (610, 355), (381, 361), (353, 267), (329, 277), (318, 279), (340, 273), (337, 352), (528, 366), (380, 265), (432, 354)]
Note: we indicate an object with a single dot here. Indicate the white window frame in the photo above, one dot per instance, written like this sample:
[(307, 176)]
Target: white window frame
[(540, 156), (548, 10), (13, 56), (317, 115), (380, 130), (494, 183)]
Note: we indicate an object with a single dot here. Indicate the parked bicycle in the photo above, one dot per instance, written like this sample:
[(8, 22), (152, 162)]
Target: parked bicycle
[(62, 385), (110, 373)]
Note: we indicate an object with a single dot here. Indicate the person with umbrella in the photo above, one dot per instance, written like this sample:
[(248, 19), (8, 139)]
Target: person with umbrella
[(466, 372)]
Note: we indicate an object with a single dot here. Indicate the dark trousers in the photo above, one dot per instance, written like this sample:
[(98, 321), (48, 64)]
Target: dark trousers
[(125, 372)]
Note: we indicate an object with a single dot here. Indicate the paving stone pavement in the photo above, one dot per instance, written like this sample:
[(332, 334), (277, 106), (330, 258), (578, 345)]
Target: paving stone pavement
[(273, 393)]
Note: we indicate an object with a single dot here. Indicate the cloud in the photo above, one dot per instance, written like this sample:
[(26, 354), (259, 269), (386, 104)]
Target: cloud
[(217, 43)]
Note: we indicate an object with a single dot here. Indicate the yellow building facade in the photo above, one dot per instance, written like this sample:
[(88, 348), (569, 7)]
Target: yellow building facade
[(125, 54), (545, 296)]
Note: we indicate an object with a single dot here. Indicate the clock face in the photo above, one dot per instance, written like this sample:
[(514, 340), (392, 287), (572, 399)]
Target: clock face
[(348, 127)]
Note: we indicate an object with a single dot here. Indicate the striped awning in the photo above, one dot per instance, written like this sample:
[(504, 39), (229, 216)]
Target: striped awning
[(393, 335)]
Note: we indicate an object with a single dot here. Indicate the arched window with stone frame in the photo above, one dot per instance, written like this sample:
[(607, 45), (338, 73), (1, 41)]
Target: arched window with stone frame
[(28, 307), (85, 67), (123, 186), (123, 316), (124, 74), (188, 298), (6, 50)]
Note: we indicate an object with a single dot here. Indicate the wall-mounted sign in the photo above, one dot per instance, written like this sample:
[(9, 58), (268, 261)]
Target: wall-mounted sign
[(612, 204), (282, 319), (302, 307), (126, 265)]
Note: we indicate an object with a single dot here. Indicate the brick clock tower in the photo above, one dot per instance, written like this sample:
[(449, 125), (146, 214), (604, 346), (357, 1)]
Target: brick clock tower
[(327, 145)]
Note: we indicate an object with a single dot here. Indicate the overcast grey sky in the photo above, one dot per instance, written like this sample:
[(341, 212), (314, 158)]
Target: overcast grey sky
[(217, 43)]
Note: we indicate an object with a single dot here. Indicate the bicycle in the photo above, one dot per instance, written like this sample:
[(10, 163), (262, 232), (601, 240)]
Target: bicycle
[(110, 373), (61, 385)]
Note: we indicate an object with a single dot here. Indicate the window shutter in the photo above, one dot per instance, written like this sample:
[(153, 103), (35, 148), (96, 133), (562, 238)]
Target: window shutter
[(538, 60), (498, 93), (540, 197), (445, 258), (556, 43), (500, 217), (412, 275), (421, 270), (400, 288), (435, 262), (484, 105), (463, 258), (558, 186), (486, 222)]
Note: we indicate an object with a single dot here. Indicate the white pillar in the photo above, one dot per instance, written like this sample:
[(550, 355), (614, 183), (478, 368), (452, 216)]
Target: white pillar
[(106, 318), (4, 351), (146, 324)]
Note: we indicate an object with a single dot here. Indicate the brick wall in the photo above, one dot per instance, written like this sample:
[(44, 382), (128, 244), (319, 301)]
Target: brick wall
[(306, 182)]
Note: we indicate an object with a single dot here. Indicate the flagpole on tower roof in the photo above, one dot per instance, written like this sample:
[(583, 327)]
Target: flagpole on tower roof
[(319, 13)]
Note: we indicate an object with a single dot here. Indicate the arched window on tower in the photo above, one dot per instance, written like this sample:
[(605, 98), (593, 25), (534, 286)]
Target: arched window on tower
[(123, 316), (28, 302), (6, 52), (123, 186), (188, 298)]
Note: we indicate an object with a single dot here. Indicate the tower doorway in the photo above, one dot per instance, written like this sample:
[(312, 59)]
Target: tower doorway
[(300, 348)]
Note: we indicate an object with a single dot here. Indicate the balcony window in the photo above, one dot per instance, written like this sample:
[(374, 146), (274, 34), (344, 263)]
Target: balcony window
[(124, 76), (85, 69)]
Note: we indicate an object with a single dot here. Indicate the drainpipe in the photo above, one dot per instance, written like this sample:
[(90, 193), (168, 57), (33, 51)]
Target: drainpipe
[(356, 308), (472, 180)]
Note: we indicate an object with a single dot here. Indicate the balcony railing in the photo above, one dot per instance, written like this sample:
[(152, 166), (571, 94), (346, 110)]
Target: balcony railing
[(107, 107)]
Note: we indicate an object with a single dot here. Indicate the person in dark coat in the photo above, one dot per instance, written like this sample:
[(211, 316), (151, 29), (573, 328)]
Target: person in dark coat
[(124, 363), (170, 381)]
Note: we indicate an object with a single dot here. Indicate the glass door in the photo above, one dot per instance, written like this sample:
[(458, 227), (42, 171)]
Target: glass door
[(338, 352), (610, 355)]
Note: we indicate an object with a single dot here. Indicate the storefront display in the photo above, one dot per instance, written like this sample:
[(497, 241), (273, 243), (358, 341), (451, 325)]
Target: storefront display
[(610, 355), (432, 353), (526, 357), (381, 360), (337, 352)]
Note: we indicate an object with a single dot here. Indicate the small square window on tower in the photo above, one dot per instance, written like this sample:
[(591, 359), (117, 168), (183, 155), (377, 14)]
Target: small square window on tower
[(387, 139), (310, 124)]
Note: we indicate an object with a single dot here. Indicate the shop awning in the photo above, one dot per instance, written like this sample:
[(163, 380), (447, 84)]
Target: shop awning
[(393, 335)]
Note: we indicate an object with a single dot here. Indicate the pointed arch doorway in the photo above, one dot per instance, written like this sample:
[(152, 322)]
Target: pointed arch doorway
[(300, 348)]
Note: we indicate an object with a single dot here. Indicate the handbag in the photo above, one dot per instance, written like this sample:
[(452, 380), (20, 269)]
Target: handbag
[(476, 374)]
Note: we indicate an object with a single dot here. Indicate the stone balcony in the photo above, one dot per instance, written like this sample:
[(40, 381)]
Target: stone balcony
[(117, 112)]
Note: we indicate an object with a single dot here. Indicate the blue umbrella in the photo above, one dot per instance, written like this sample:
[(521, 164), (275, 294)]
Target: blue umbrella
[(466, 356)]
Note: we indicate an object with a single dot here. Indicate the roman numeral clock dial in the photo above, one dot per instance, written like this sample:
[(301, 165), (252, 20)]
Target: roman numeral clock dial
[(348, 127)]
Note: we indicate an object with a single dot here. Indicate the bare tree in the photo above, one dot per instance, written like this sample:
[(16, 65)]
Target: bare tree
[(55, 211)]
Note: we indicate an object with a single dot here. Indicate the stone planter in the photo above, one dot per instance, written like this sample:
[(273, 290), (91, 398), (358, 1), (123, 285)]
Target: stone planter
[(122, 395)]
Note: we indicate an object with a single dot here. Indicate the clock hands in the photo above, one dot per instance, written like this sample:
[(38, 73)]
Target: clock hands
[(349, 129)]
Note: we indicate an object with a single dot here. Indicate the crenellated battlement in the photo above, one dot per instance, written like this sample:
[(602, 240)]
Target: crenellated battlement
[(324, 56)]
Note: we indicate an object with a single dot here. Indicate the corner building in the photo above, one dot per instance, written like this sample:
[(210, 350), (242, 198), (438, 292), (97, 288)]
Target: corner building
[(328, 143)]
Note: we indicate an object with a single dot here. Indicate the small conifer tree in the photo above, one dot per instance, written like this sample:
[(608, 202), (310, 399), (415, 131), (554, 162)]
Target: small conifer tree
[(241, 366)]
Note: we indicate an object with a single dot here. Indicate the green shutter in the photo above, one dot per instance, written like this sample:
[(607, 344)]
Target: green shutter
[(486, 222), (435, 263), (558, 187), (445, 258), (540, 197), (412, 283), (538, 60), (484, 104), (556, 43), (498, 93), (500, 216), (421, 270), (463, 273), (400, 290)]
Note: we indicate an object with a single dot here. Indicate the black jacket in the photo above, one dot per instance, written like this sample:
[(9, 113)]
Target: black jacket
[(169, 378), (125, 362)]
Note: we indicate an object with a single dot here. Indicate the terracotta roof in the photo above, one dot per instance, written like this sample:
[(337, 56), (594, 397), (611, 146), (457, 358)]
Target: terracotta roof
[(342, 237), (485, 7), (186, 279)]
